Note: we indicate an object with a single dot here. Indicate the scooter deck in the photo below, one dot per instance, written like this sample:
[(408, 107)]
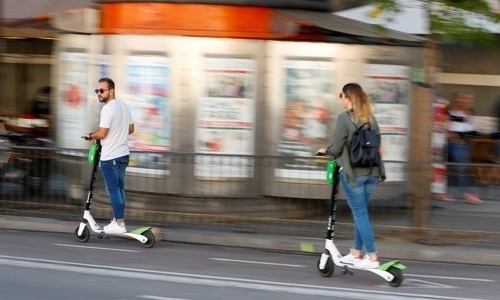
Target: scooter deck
[(138, 231), (136, 234), (384, 266)]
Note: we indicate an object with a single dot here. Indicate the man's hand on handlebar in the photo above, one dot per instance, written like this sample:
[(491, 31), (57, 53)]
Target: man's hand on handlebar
[(86, 137)]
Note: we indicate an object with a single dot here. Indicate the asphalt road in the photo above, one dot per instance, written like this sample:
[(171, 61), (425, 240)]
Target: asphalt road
[(40, 265)]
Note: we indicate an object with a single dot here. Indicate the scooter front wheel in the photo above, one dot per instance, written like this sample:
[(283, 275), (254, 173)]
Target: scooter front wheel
[(327, 271), (151, 239), (85, 234)]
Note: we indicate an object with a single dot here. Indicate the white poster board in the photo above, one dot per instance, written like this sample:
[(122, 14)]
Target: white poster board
[(309, 112), (72, 121), (389, 87), (147, 84), (225, 122)]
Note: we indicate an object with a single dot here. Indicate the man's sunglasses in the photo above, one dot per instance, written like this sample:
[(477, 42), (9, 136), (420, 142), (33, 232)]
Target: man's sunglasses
[(97, 91)]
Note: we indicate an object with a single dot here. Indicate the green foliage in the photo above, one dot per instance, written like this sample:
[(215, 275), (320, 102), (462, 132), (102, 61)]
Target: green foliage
[(451, 21), (387, 5), (478, 6)]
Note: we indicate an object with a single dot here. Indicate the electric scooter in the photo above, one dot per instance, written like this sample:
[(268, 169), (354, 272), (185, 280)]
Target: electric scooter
[(390, 271), (82, 232)]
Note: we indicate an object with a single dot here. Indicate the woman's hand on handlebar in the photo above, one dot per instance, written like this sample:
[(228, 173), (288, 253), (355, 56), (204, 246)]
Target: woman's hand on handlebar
[(321, 152)]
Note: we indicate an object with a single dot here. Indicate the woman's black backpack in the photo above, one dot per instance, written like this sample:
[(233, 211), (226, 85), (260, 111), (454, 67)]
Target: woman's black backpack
[(364, 147)]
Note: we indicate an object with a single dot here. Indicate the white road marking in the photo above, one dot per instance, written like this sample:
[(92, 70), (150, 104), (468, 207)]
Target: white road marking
[(218, 281), (450, 278), (426, 284), (158, 298), (257, 262), (95, 248), (302, 266)]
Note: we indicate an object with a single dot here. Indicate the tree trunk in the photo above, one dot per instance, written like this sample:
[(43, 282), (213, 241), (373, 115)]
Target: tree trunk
[(420, 169)]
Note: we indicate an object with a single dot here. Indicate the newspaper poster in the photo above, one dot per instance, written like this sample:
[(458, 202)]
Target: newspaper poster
[(309, 112), (439, 183), (225, 126), (147, 92), (394, 147), (394, 152), (389, 87), (388, 83), (72, 98)]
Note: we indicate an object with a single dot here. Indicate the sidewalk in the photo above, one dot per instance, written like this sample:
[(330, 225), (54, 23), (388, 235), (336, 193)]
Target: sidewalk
[(225, 236)]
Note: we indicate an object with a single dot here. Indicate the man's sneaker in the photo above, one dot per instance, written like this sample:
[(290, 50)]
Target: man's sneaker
[(366, 263), (110, 223), (351, 259), (113, 227)]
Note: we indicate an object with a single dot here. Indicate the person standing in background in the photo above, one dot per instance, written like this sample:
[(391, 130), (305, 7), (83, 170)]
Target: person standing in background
[(114, 128), (497, 133), (460, 131)]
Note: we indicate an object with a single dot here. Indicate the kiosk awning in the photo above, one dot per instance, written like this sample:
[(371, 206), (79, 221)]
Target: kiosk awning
[(346, 30), (292, 24), (34, 19)]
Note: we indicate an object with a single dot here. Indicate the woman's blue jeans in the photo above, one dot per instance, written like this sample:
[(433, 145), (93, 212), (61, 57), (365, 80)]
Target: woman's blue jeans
[(460, 153), (358, 195), (113, 172)]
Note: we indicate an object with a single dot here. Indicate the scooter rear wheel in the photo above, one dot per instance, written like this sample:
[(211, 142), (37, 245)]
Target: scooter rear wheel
[(329, 267), (398, 276), (151, 239), (85, 234)]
